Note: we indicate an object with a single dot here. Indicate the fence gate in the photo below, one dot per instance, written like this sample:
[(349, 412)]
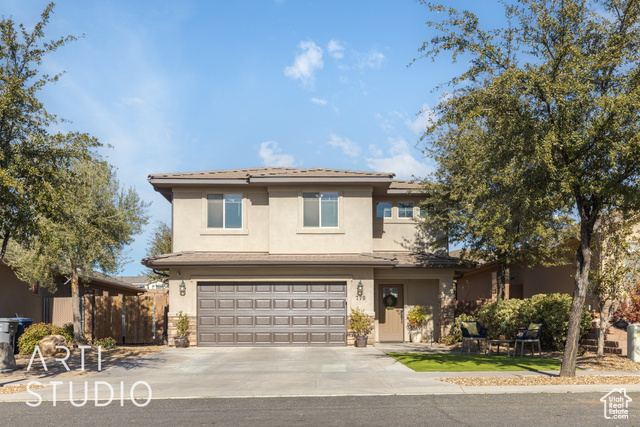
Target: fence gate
[(128, 320)]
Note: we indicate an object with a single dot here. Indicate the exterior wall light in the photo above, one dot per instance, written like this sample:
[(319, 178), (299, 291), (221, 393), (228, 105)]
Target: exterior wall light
[(360, 289), (183, 288)]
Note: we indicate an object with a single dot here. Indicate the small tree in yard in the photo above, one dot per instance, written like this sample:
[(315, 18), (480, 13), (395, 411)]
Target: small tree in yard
[(160, 243), (615, 266), (103, 218)]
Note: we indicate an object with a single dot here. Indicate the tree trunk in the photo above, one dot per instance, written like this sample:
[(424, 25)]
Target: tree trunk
[(583, 263), (501, 281), (75, 302), (5, 242), (606, 311)]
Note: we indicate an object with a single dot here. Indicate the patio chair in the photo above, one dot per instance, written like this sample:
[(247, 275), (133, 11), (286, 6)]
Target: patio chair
[(532, 335), (472, 331)]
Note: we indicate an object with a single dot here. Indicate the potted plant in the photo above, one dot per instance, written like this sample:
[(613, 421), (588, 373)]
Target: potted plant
[(416, 319), (182, 338), (360, 324)]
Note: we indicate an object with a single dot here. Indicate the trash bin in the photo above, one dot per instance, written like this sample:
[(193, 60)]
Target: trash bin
[(633, 342), (23, 323), (8, 329)]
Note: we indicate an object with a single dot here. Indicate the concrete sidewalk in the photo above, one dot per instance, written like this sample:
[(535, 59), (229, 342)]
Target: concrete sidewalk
[(276, 371)]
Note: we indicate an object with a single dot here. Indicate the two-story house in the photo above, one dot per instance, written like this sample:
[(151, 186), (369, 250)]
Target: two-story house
[(278, 255)]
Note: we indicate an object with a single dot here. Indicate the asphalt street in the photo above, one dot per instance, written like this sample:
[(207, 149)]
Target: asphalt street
[(566, 409)]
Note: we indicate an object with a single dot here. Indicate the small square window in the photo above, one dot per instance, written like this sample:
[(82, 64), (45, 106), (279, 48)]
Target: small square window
[(405, 210), (383, 210)]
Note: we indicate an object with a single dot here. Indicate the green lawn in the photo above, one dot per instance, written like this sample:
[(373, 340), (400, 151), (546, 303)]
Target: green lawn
[(452, 362)]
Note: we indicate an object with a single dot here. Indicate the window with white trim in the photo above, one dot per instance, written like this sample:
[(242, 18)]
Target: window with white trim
[(224, 210), (320, 209), (405, 210)]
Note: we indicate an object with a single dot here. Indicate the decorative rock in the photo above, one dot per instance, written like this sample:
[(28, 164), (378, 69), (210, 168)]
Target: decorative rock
[(48, 345), (7, 360)]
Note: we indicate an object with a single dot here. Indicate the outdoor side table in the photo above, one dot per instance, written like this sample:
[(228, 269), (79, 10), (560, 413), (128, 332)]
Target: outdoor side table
[(498, 343)]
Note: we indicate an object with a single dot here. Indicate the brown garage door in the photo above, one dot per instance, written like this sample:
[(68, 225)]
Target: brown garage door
[(244, 313)]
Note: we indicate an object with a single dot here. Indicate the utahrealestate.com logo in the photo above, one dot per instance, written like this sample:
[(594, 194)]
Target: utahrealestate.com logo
[(97, 384), (616, 404)]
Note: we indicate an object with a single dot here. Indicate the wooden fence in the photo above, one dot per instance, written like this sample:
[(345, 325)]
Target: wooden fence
[(128, 320)]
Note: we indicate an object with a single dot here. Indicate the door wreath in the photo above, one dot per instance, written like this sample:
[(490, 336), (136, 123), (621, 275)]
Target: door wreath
[(390, 301)]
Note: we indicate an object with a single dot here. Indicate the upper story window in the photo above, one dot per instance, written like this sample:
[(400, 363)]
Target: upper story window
[(320, 209), (383, 210), (405, 210), (224, 210)]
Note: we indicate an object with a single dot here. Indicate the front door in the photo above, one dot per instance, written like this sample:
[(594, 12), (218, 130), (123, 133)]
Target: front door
[(390, 313)]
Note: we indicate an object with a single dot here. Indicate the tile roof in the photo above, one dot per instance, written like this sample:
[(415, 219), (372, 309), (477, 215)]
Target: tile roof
[(417, 259), (274, 172), (377, 259), (225, 259)]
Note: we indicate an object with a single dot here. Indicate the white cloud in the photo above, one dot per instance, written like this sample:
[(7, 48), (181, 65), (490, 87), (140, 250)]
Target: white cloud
[(306, 63), (319, 101), (347, 146), (271, 155), (400, 161), (425, 118), (375, 151), (388, 122), (336, 49), (371, 59)]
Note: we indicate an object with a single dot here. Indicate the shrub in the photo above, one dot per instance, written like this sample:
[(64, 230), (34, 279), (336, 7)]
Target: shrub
[(68, 328), (183, 324), (359, 322), (500, 318), (417, 317), (554, 309), (106, 343), (36, 332), (457, 333)]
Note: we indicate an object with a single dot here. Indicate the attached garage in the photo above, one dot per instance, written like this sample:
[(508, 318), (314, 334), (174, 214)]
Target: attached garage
[(272, 313)]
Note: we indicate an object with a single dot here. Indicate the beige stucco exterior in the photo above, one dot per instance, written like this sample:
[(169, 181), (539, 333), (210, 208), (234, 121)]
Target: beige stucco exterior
[(272, 224)]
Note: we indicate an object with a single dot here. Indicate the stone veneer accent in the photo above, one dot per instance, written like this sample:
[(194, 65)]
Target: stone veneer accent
[(446, 316)]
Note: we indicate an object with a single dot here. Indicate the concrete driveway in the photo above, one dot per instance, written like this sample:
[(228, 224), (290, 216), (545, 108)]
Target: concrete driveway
[(249, 372)]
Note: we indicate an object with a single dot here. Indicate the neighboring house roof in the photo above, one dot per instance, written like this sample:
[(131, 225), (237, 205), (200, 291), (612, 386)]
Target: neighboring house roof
[(386, 259), (113, 283), (137, 281), (402, 187)]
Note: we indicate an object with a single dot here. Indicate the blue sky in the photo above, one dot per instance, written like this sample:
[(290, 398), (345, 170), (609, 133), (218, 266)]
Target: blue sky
[(178, 86)]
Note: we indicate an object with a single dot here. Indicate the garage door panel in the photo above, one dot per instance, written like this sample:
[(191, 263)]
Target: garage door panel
[(319, 304), (226, 304), (282, 304), (272, 313), (226, 289), (300, 304), (244, 304)]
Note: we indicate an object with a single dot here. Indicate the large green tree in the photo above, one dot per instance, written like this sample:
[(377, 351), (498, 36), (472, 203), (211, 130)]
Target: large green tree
[(554, 97), (31, 158), (102, 220)]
